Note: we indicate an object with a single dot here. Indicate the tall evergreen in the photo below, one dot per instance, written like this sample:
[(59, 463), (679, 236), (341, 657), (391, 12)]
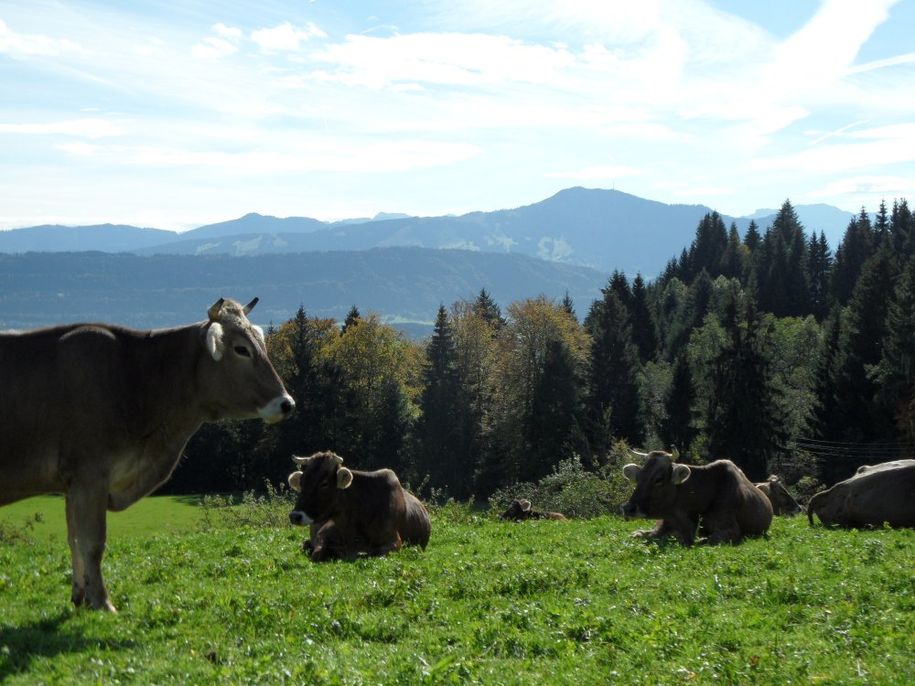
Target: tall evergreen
[(782, 269), (554, 414), (678, 427), (709, 245), (644, 332), (488, 309), (352, 318), (896, 372), (733, 260), (902, 227), (856, 248), (819, 266), (619, 284), (745, 422), (438, 429), (568, 305), (613, 393)]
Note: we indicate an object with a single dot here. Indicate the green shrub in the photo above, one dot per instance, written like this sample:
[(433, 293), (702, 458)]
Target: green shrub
[(270, 509), (570, 489)]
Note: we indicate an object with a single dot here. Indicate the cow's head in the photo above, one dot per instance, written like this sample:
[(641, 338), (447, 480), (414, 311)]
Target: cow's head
[(782, 501), (239, 381), (517, 509), (318, 480), (655, 485)]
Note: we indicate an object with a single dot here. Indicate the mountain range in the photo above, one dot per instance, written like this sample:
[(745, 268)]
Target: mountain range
[(601, 229), (405, 286)]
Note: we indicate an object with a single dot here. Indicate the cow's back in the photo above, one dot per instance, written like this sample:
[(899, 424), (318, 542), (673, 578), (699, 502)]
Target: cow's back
[(881, 495), (723, 489)]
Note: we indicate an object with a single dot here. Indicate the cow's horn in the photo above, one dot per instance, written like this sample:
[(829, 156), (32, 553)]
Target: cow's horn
[(300, 460), (636, 452), (250, 305), (338, 459), (214, 311)]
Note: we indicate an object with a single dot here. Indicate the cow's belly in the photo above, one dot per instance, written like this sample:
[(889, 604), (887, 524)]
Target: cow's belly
[(26, 474)]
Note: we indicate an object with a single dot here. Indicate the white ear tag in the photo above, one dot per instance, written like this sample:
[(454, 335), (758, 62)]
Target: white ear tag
[(215, 344)]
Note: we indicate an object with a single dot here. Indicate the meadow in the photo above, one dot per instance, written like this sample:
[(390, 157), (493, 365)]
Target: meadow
[(211, 593)]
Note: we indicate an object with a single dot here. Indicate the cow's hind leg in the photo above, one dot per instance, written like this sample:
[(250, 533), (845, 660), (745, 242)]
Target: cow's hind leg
[(86, 512), (723, 529), (78, 593)]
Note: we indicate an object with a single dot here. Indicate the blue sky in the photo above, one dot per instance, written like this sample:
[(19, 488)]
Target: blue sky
[(144, 113)]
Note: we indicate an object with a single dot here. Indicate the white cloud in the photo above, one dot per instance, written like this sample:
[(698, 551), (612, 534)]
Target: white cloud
[(87, 128), (887, 187), (598, 172), (230, 32), (33, 44), (286, 37), (213, 48)]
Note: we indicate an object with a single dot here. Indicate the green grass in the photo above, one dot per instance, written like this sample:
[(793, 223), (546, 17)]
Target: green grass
[(44, 516), (489, 602)]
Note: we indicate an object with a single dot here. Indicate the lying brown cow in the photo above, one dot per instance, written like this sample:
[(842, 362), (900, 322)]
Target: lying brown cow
[(783, 503), (520, 510), (719, 494), (353, 512), (874, 495)]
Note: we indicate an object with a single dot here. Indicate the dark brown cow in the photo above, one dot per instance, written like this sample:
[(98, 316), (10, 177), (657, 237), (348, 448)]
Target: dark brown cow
[(353, 512), (783, 503), (874, 495), (101, 413), (719, 494), (520, 510)]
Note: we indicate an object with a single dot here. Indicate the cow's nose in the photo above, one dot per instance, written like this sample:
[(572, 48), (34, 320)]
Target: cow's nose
[(628, 510)]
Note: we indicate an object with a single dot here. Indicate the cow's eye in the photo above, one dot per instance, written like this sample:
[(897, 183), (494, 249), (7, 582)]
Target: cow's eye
[(242, 351)]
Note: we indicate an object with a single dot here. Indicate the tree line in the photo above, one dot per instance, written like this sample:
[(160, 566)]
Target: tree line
[(767, 349)]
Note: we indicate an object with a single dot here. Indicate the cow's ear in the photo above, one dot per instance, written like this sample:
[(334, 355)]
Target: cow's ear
[(680, 474), (215, 345), (344, 478), (525, 505), (295, 481), (631, 471)]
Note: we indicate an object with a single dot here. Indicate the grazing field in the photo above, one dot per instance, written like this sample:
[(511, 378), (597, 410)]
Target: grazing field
[(226, 596)]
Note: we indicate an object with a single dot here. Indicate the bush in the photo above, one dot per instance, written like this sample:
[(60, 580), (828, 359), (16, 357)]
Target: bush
[(570, 490), (268, 510)]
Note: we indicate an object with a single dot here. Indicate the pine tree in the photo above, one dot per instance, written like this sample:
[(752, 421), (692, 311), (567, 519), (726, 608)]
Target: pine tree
[(895, 374), (568, 305), (709, 245), (439, 427), (644, 331), (856, 249), (733, 261), (782, 269), (487, 308), (678, 428), (613, 403), (745, 422), (902, 228), (881, 225), (352, 318), (554, 414), (819, 264)]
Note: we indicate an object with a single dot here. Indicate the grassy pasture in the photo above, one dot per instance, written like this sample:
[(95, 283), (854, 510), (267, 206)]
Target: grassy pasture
[(209, 599)]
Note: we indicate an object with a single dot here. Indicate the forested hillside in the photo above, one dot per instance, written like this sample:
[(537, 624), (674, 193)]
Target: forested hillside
[(767, 349)]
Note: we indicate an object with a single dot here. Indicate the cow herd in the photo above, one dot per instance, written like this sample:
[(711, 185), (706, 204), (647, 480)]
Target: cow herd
[(102, 413)]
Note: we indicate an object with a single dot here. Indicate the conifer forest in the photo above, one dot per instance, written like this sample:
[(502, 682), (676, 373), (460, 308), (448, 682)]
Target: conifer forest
[(770, 349)]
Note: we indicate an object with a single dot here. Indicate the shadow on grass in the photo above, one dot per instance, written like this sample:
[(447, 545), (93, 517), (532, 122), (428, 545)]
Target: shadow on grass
[(47, 638)]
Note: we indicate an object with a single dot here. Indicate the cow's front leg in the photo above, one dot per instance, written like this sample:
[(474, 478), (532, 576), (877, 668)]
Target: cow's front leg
[(86, 532), (322, 541), (662, 529)]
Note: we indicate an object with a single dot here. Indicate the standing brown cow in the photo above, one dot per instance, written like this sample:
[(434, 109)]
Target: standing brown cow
[(719, 494), (783, 503), (352, 512), (101, 413)]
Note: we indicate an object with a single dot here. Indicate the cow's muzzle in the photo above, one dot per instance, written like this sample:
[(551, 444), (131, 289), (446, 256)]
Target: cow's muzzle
[(277, 409), (299, 518), (630, 510)]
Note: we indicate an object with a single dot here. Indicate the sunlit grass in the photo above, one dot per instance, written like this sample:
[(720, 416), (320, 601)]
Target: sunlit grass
[(489, 602)]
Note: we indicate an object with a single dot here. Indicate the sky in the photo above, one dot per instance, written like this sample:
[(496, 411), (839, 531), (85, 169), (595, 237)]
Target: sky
[(173, 115)]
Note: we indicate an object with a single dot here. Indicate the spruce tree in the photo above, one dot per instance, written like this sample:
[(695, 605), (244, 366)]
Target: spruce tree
[(745, 422), (819, 264), (438, 429), (488, 309), (613, 403), (856, 249), (644, 331), (678, 427), (352, 318)]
